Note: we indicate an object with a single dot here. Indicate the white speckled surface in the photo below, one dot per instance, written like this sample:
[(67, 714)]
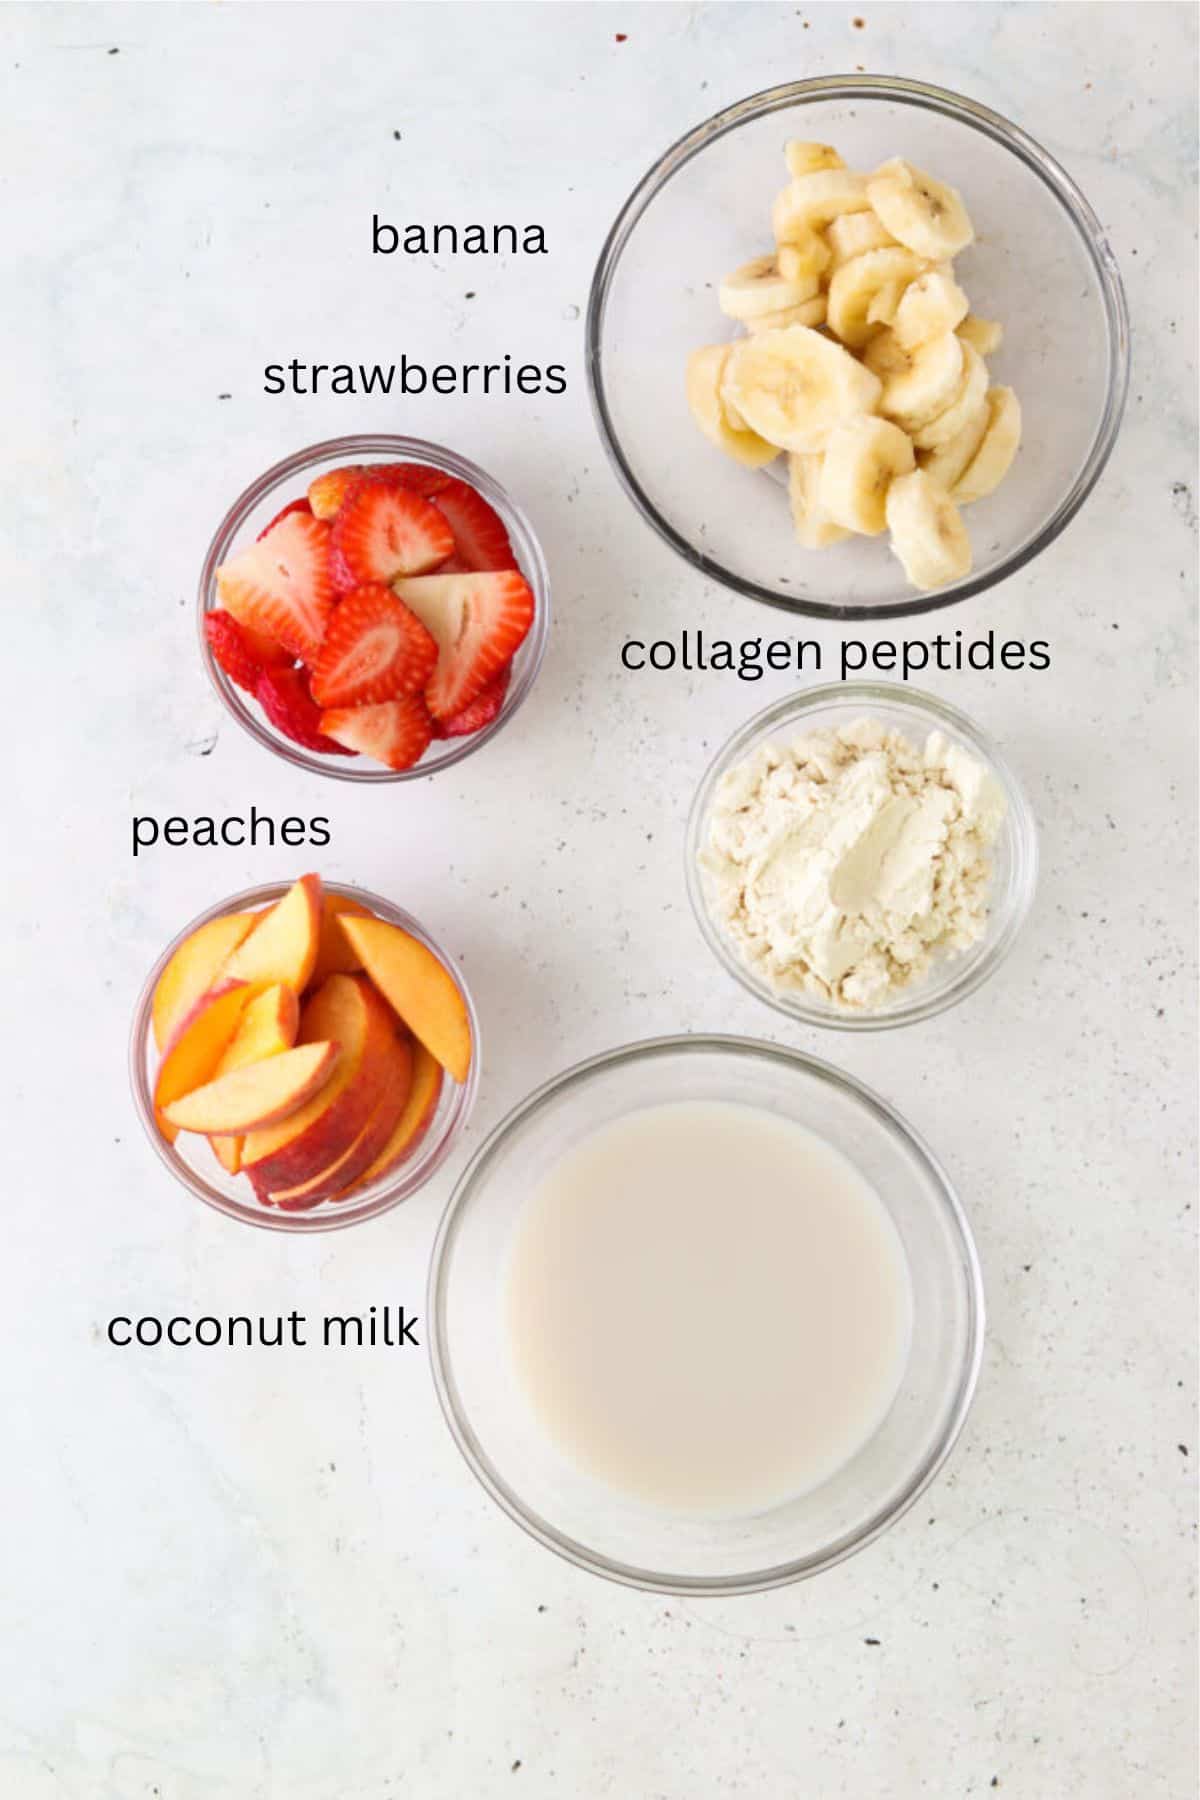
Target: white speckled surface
[(233, 1576)]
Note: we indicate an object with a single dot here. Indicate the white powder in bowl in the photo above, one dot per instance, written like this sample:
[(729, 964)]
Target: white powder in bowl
[(839, 864)]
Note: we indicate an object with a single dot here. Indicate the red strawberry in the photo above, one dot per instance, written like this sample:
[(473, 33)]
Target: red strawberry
[(293, 506), (232, 650), (396, 732), (384, 530), (326, 492), (281, 585), (480, 539), (420, 477), (480, 711), (479, 622), (375, 649), (284, 697)]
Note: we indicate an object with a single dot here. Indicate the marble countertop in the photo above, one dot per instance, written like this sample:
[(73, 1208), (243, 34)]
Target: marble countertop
[(269, 1576)]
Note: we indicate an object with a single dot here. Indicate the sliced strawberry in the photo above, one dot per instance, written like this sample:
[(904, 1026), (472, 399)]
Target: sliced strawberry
[(375, 649), (284, 697), (293, 506), (326, 492), (270, 654), (396, 732), (479, 622), (384, 530), (478, 712), (232, 649), (480, 540), (281, 585)]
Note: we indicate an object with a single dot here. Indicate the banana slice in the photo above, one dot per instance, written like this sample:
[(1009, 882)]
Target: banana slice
[(985, 334), (861, 461), (928, 534), (924, 214), (853, 234), (809, 202), (949, 461), (859, 283), (704, 371), (972, 392), (993, 459), (884, 355), (809, 312), (814, 528), (806, 159), (917, 394), (805, 260), (882, 309), (793, 386), (931, 304), (758, 287)]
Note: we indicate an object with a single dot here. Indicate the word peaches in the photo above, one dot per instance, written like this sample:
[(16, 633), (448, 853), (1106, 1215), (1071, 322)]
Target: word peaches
[(307, 1043), (374, 614)]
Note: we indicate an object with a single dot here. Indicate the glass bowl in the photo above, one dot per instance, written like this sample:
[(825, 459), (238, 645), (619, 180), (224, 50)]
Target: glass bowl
[(193, 1164), (1014, 854), (287, 480), (1041, 266), (583, 1519)]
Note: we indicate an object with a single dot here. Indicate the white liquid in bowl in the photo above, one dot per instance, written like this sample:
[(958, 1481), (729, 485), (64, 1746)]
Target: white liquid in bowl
[(709, 1307)]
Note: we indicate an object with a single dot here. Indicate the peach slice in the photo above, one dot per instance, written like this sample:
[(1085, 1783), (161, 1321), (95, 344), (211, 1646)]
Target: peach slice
[(267, 1027), (197, 1047), (423, 992), (369, 1142), (283, 946), (257, 1095), (194, 969), (334, 955), (410, 1127), (345, 1010)]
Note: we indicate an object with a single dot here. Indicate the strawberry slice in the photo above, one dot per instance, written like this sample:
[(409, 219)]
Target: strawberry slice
[(479, 622), (478, 712), (327, 492), (375, 649), (480, 540), (293, 506), (232, 649), (396, 733), (284, 697), (281, 585), (384, 530)]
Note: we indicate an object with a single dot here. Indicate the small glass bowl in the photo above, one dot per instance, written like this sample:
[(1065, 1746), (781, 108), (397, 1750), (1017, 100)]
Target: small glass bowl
[(193, 1164), (1014, 854), (594, 1525), (287, 480), (1041, 265)]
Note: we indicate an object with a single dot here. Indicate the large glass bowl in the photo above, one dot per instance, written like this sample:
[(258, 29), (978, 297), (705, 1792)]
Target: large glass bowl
[(1014, 855), (193, 1164), (585, 1520), (287, 480), (1041, 265)]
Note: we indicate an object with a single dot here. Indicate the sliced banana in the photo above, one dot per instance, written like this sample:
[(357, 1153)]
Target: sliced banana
[(993, 459), (805, 260), (884, 302), (809, 202), (704, 372), (793, 386), (806, 159), (758, 287), (985, 334), (968, 399), (861, 461), (857, 284), (949, 461), (809, 312), (928, 534), (923, 213), (814, 528), (884, 355), (853, 234), (931, 304), (918, 393)]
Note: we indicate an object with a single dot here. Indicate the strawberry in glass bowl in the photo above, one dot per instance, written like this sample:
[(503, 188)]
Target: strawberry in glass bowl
[(374, 608)]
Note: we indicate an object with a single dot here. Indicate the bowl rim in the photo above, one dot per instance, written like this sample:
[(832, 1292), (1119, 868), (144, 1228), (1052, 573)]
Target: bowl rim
[(540, 1529), (1002, 131), (410, 1176), (402, 449), (938, 714)]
